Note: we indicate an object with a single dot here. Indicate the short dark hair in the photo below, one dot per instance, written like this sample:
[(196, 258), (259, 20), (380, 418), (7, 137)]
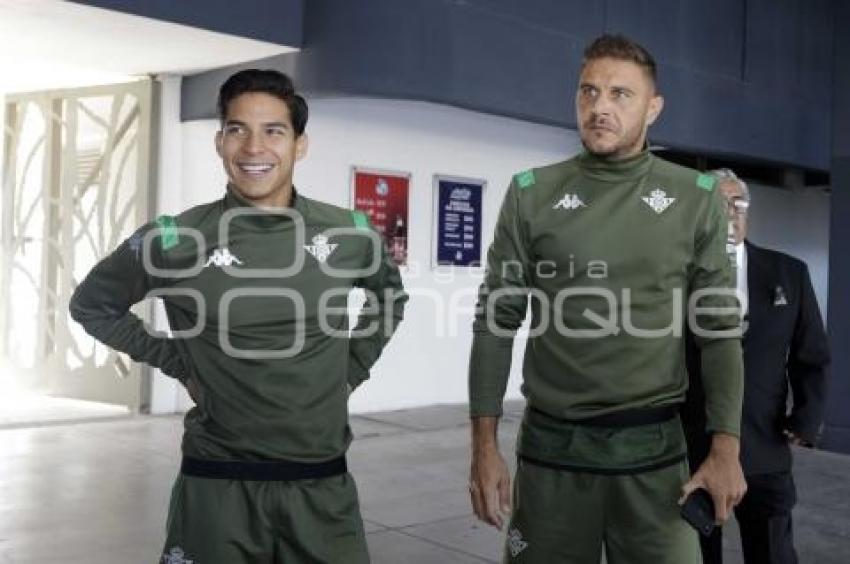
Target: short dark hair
[(621, 48), (267, 81)]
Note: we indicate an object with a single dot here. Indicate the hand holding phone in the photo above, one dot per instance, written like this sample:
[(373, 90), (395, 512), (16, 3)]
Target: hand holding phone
[(698, 511)]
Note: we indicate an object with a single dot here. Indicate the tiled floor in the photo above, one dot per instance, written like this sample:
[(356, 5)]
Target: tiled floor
[(19, 408), (96, 493)]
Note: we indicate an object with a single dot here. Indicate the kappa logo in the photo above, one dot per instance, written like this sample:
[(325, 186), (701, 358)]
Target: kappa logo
[(515, 542), (569, 202), (222, 257), (321, 249), (176, 556), (658, 200)]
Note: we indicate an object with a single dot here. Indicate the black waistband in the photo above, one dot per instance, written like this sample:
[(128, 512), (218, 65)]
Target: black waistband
[(620, 419), (657, 465), (279, 470)]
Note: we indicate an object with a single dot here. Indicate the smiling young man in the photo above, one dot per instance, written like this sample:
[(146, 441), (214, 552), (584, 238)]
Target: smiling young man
[(601, 453), (255, 287)]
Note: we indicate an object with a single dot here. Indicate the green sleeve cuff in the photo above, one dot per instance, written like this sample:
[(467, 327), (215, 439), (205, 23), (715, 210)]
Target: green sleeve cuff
[(734, 431), (485, 407)]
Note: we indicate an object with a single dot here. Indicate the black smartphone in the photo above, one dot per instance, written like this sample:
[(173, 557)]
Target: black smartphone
[(698, 511)]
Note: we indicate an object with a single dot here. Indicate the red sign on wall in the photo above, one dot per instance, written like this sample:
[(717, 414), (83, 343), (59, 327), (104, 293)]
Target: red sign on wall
[(383, 196)]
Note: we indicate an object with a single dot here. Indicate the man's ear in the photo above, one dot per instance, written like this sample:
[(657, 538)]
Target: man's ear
[(219, 138), (656, 104), (302, 143)]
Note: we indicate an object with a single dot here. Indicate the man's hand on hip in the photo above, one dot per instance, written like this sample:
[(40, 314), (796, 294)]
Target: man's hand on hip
[(193, 389), (721, 475)]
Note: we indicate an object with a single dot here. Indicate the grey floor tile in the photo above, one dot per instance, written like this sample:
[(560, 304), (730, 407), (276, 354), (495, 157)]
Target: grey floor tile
[(463, 533), (514, 407), (822, 537), (365, 428), (22, 408), (402, 511), (414, 478), (425, 418), (372, 527), (97, 493), (392, 547)]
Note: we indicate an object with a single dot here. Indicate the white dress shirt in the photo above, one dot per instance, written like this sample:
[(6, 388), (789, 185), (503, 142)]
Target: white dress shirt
[(741, 275)]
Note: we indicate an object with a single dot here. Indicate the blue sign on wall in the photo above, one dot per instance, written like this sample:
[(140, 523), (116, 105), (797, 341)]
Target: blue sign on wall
[(458, 221)]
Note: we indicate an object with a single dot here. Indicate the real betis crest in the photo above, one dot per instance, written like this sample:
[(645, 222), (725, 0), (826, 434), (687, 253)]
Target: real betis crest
[(515, 542), (658, 200), (321, 249), (175, 556)]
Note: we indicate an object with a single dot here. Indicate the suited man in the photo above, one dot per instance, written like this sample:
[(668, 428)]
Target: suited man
[(785, 346)]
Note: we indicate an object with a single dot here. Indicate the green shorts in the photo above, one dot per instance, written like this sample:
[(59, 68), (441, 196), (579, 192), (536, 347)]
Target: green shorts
[(220, 521), (566, 517)]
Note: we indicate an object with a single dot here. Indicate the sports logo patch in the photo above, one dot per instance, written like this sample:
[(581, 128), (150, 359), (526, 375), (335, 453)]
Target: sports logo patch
[(569, 202), (658, 200), (321, 249), (222, 257), (515, 543), (176, 556)]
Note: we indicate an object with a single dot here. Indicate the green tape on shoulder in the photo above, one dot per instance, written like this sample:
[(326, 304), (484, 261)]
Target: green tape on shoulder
[(360, 219), (706, 181), (168, 232), (525, 179)]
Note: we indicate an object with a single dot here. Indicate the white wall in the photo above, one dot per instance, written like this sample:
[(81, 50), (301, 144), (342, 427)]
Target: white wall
[(427, 360), (167, 396), (2, 146)]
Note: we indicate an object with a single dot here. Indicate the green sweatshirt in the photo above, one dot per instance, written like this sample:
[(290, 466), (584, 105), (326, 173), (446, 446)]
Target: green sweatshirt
[(602, 248), (260, 286)]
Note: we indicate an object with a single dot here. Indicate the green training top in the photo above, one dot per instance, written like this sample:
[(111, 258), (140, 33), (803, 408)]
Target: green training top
[(604, 248), (272, 358)]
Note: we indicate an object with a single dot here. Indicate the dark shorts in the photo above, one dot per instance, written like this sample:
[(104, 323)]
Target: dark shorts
[(221, 521)]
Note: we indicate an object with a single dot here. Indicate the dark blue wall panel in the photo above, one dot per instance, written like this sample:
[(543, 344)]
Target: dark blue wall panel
[(277, 21), (742, 78), (577, 18), (837, 431), (704, 36), (837, 424), (790, 47)]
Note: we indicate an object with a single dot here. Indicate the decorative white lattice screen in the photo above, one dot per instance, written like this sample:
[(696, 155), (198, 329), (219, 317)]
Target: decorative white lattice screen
[(75, 184)]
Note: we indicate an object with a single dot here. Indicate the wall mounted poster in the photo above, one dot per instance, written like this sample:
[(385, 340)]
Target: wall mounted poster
[(383, 196), (458, 220)]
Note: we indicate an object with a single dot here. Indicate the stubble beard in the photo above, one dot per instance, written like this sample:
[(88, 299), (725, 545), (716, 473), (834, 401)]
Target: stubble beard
[(624, 149)]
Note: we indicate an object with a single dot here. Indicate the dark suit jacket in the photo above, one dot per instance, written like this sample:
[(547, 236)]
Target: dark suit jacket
[(784, 345)]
